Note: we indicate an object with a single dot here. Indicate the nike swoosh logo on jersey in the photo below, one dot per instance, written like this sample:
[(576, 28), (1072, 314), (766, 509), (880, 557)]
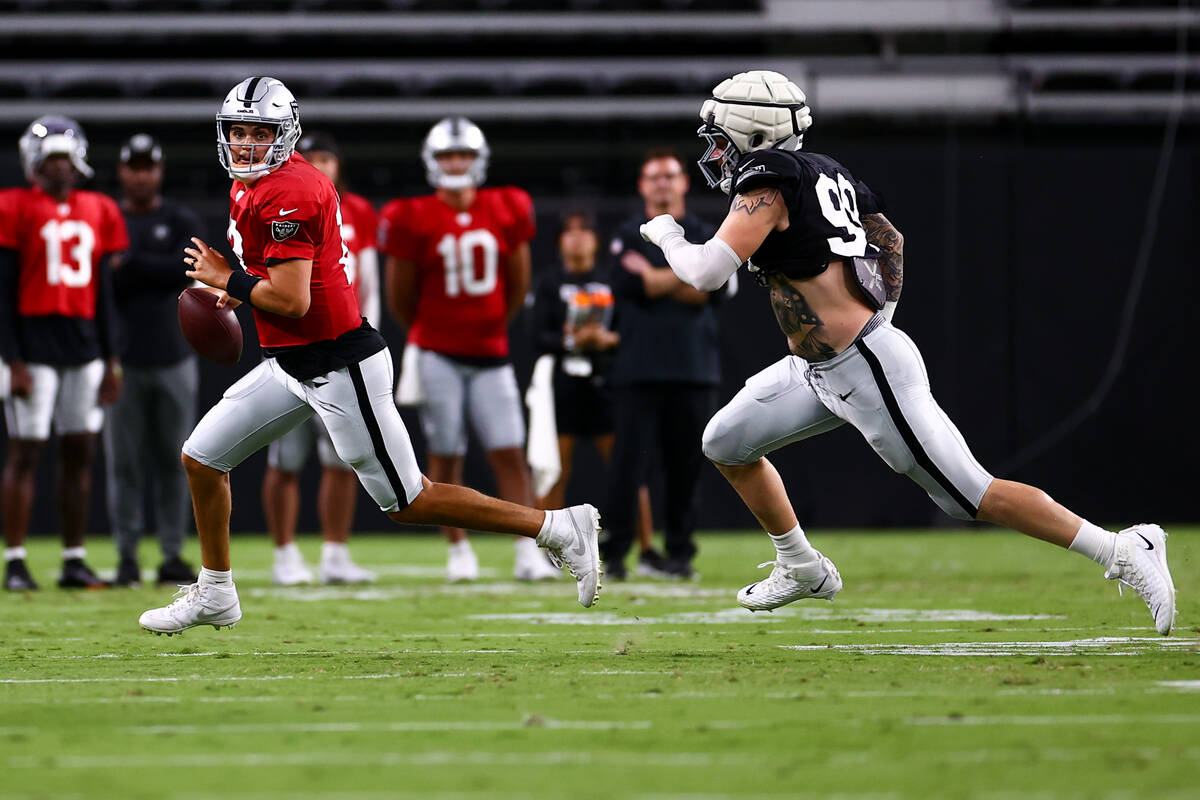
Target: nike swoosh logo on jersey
[(822, 583), (283, 213), (1149, 546)]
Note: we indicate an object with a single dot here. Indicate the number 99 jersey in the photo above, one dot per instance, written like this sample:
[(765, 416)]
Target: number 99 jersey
[(461, 260), (825, 204), (59, 247)]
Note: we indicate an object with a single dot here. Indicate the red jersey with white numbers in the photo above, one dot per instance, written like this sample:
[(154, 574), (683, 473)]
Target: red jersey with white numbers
[(359, 224), (290, 213), (461, 260), (60, 247)]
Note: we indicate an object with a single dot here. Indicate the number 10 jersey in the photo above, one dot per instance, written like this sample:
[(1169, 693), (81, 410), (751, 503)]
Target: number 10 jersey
[(824, 203), (461, 260)]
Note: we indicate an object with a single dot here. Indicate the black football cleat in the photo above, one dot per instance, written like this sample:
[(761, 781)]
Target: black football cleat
[(17, 577), (128, 573), (177, 571), (651, 564), (679, 569), (78, 575)]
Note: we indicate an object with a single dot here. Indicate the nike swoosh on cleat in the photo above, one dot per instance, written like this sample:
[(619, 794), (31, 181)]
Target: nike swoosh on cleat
[(750, 589), (580, 545), (822, 583), (1149, 546)]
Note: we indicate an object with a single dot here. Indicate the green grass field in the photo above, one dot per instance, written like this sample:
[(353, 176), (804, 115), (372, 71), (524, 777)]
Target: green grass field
[(977, 664)]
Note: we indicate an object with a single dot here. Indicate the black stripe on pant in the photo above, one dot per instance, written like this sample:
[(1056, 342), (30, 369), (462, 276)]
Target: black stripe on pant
[(910, 438), (377, 442)]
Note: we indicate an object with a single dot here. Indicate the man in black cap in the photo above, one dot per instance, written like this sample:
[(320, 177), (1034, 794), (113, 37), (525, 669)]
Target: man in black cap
[(158, 407)]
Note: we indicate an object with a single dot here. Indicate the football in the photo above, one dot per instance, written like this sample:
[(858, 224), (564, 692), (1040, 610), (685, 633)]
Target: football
[(214, 333)]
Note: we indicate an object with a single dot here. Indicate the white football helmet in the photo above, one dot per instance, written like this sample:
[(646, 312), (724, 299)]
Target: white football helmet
[(753, 110), (49, 136), (455, 134), (265, 101)]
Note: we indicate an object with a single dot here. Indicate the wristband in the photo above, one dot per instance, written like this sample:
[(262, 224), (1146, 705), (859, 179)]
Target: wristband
[(240, 284)]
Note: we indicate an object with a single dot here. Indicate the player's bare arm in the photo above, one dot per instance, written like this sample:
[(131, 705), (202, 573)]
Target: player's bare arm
[(286, 292), (882, 234), (517, 285), (401, 287)]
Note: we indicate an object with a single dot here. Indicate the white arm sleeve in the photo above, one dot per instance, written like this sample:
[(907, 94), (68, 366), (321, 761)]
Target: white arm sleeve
[(704, 266)]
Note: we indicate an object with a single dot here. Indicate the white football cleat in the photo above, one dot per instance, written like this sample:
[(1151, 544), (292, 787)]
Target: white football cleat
[(817, 580), (289, 568), (573, 541), (196, 604), (462, 565), (1140, 562), (343, 570), (530, 563)]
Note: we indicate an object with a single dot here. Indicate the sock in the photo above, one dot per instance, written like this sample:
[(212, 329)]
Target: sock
[(523, 543), (70, 553), (216, 577), (793, 547), (1095, 543), (545, 536), (15, 553), (334, 551), (461, 547)]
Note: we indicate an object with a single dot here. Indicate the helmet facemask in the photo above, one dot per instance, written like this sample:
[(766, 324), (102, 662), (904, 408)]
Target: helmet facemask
[(50, 136), (720, 160), (259, 101)]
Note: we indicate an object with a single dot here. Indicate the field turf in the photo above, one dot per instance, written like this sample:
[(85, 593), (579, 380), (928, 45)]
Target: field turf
[(974, 664)]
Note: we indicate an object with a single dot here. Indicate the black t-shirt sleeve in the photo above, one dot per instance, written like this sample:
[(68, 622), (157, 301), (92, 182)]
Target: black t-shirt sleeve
[(626, 284), (869, 202), (546, 319)]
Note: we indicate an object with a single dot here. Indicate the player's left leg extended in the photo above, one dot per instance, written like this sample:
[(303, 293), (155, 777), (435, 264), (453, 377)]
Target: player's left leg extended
[(881, 387), (776, 407), (260, 407), (358, 411)]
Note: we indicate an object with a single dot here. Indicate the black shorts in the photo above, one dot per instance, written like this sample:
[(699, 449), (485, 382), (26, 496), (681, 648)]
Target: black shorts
[(582, 407)]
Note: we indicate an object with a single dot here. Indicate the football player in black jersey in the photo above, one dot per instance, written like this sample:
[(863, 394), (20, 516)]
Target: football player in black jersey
[(820, 242)]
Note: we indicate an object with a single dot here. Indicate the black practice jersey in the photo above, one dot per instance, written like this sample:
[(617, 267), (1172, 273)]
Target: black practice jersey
[(824, 204)]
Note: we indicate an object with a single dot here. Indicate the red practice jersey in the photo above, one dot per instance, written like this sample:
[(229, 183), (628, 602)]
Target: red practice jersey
[(293, 212), (461, 260), (60, 247), (359, 225)]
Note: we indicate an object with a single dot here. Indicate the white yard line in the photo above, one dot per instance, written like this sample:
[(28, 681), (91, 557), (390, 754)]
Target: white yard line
[(1059, 719), (1104, 646), (390, 727)]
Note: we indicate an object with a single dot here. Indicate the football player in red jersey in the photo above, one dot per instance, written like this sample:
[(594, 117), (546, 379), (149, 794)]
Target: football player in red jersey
[(287, 454), (323, 358), (458, 270), (58, 245)]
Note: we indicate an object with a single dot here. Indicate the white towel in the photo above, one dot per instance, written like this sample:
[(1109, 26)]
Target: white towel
[(541, 450), (408, 388)]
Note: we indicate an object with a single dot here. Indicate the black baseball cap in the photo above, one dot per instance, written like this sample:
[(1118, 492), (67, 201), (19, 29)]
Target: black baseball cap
[(141, 147), (319, 141)]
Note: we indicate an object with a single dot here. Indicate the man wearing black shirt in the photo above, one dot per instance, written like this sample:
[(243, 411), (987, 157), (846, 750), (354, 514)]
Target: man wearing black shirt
[(666, 374), (158, 407)]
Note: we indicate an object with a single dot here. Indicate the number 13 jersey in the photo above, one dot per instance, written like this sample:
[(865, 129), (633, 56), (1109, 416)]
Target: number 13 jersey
[(824, 202), (461, 260)]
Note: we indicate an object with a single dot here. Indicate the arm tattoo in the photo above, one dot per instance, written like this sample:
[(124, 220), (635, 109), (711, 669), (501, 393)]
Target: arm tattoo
[(754, 200), (883, 235), (794, 315)]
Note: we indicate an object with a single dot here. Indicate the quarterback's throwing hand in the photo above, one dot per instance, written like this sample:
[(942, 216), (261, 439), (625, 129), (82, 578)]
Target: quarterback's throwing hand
[(654, 230), (206, 265)]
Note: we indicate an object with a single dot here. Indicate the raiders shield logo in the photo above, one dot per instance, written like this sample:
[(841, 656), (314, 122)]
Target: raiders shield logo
[(282, 229)]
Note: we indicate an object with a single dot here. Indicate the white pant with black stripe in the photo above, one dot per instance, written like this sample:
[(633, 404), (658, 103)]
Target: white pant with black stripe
[(878, 385), (354, 402)]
